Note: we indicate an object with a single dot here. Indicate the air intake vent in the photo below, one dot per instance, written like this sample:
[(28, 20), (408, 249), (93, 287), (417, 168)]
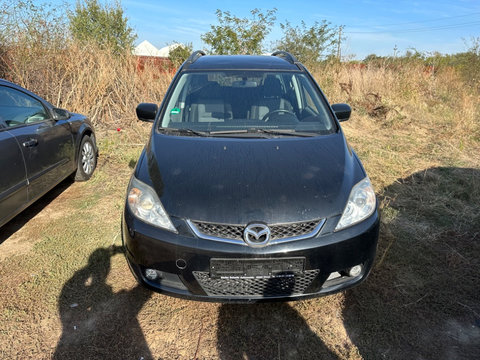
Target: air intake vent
[(265, 287)]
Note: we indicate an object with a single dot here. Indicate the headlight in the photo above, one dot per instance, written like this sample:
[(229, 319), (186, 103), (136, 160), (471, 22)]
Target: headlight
[(360, 205), (145, 205)]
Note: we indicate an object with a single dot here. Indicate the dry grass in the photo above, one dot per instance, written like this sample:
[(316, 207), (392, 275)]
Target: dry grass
[(69, 293), (405, 119), (107, 87), (89, 80)]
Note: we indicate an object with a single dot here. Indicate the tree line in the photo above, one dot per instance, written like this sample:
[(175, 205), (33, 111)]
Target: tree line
[(105, 24)]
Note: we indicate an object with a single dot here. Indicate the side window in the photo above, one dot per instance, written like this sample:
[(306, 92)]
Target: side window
[(18, 108), (307, 90), (309, 101), (313, 108)]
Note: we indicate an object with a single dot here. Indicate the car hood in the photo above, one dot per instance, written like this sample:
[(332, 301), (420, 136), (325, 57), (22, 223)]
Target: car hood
[(237, 181)]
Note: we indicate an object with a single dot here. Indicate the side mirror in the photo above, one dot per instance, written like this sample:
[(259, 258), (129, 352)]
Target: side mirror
[(146, 111), (61, 114), (342, 111)]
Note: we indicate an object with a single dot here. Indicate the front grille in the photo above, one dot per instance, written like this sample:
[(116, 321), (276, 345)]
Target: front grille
[(234, 232), (292, 230), (265, 287), (278, 232)]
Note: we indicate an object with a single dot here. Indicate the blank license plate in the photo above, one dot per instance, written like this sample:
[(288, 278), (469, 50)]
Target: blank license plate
[(251, 268)]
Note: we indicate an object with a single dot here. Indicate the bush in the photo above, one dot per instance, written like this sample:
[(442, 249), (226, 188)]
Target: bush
[(180, 53), (104, 25), (310, 44), (236, 35)]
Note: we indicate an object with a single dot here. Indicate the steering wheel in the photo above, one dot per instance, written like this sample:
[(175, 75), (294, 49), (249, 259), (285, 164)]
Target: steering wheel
[(39, 116), (266, 117), (13, 122)]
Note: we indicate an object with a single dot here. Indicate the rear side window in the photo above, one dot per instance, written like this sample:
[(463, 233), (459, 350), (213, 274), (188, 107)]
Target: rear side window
[(18, 108)]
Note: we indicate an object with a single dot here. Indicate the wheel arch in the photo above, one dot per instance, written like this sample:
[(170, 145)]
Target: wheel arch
[(84, 130)]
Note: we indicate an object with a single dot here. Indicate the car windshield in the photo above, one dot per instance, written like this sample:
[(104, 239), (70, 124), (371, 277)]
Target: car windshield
[(245, 102)]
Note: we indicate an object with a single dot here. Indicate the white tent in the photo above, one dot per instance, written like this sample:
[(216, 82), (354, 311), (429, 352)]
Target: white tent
[(147, 49)]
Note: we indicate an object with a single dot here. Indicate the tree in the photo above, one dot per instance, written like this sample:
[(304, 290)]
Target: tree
[(236, 35), (32, 37), (310, 44), (105, 25), (25, 23), (372, 58), (469, 62), (180, 53)]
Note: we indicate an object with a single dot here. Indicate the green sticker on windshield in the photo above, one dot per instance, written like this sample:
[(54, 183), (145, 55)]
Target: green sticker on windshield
[(175, 111)]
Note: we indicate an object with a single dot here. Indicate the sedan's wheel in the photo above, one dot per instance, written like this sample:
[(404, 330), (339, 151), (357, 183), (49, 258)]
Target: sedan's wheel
[(87, 160)]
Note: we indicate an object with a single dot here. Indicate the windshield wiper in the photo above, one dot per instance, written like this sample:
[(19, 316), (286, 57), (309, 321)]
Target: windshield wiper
[(227, 132), (287, 132), (188, 132), (253, 131), (240, 132)]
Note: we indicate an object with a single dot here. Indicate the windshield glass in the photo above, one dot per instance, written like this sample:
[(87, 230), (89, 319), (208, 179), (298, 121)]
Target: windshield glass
[(232, 102)]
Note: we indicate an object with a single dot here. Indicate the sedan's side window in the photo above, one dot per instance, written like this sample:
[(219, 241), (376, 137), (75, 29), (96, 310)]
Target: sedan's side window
[(18, 108)]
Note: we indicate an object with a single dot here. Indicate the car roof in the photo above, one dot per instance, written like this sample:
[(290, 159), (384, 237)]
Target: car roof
[(9, 83), (242, 62)]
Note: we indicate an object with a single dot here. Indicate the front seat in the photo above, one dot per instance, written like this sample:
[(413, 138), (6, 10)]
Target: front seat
[(271, 99), (207, 104)]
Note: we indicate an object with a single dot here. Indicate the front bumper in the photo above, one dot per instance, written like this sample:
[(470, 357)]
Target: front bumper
[(182, 262)]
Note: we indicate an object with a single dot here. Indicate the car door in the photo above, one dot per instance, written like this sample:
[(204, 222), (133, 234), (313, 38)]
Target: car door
[(47, 145), (13, 180)]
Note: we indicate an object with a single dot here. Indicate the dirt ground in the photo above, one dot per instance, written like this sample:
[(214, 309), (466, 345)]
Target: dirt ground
[(67, 293)]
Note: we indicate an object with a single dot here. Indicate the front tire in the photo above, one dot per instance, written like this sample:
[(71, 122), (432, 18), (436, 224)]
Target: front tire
[(87, 159)]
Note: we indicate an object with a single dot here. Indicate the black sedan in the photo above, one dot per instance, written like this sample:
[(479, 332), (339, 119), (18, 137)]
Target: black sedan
[(40, 145), (247, 189)]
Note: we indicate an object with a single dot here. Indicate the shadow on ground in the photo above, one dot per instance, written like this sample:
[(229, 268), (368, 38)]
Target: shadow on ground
[(96, 322), (421, 299), (267, 331), (29, 213)]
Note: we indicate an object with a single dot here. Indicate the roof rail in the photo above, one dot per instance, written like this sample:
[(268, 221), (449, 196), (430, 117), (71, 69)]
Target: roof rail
[(194, 57), (286, 56)]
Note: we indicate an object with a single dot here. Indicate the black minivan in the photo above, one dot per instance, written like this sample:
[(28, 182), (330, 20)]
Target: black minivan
[(247, 189)]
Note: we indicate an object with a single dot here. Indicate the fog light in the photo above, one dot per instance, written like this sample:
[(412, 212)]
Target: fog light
[(151, 274), (355, 270)]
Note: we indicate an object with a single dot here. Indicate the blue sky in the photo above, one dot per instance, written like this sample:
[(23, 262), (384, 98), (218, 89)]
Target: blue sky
[(370, 26)]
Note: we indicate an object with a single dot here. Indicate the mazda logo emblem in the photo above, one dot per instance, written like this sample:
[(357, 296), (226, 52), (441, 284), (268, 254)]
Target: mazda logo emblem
[(256, 235)]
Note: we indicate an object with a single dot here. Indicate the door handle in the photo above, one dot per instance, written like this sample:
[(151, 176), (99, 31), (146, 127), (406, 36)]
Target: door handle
[(30, 143)]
